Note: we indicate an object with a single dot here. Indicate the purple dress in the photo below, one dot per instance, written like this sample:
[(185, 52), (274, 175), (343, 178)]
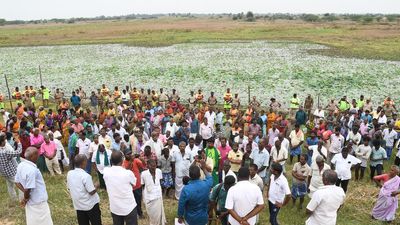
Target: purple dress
[(386, 205)]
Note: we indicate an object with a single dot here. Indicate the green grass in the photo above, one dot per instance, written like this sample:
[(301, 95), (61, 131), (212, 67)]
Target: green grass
[(375, 41), (356, 210)]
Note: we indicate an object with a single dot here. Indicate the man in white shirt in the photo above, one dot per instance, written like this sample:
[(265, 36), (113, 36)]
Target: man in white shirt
[(155, 144), (30, 181), (210, 115), (244, 200), (296, 139), (119, 182), (152, 193), (326, 201), (315, 179), (255, 178), (343, 163), (279, 154), (278, 192), (206, 131), (83, 145), (192, 149), (260, 157), (317, 150), (390, 136), (284, 141), (337, 143), (83, 193), (226, 171), (180, 167), (101, 159)]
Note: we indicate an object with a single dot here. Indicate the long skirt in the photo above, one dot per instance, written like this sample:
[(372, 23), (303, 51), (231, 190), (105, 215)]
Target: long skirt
[(155, 210), (385, 208), (38, 214)]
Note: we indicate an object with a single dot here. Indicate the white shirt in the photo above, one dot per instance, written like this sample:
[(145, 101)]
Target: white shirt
[(242, 198), (260, 159), (285, 143), (210, 118), (156, 147), (324, 205), (152, 188), (314, 148), (257, 181), (121, 132), (206, 131), (100, 167), (278, 189), (389, 137), (192, 151), (230, 173), (93, 147), (283, 154), (316, 177), (343, 165), (337, 143), (29, 176), (119, 183), (80, 184), (83, 146), (60, 149), (182, 163), (172, 128)]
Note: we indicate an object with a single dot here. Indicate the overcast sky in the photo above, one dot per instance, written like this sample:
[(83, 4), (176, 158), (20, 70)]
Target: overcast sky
[(47, 9)]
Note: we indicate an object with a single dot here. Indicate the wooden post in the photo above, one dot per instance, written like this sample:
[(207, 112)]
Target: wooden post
[(248, 92), (9, 93), (40, 74), (318, 100)]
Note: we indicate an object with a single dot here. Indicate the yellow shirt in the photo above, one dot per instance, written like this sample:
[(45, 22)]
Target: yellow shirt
[(235, 156)]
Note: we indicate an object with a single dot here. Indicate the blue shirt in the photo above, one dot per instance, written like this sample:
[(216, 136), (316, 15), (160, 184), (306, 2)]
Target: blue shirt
[(312, 141), (194, 127), (193, 202), (29, 176), (75, 100)]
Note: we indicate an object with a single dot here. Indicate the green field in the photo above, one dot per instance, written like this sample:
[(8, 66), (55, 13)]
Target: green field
[(374, 41)]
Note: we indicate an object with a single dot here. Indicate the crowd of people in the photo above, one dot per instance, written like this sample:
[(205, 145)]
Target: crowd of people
[(217, 157)]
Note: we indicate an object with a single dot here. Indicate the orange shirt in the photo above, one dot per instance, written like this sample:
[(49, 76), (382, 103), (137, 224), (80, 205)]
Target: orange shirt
[(135, 166)]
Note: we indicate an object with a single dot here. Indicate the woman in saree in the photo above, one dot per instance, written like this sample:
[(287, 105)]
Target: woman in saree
[(387, 203)]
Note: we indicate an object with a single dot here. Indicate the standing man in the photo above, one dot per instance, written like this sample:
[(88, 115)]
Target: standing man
[(83, 193), (8, 165), (296, 139), (278, 192), (218, 198), (193, 202), (119, 183), (326, 201), (261, 158), (244, 200), (49, 150), (180, 167), (294, 105), (152, 193), (308, 104), (343, 163), (30, 181)]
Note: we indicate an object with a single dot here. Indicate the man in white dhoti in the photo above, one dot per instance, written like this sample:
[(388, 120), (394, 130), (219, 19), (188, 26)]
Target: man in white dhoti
[(152, 193), (30, 181), (180, 168)]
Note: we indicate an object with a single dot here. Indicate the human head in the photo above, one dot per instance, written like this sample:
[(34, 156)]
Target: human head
[(394, 171), (116, 158), (303, 159), (194, 172), (32, 154), (276, 169), (229, 182), (243, 173), (329, 177), (80, 161), (253, 170), (227, 166), (152, 165), (319, 160)]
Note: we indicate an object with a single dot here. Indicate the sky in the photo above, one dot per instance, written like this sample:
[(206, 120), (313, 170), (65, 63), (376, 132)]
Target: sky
[(47, 9)]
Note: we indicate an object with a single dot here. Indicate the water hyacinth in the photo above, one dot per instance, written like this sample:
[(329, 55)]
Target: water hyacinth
[(271, 69)]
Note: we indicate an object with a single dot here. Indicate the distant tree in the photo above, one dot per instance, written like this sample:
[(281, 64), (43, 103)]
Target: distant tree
[(367, 19), (392, 18), (330, 17), (2, 22), (309, 17), (250, 16)]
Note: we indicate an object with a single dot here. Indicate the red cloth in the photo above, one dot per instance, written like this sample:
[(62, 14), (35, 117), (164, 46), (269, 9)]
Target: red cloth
[(135, 167)]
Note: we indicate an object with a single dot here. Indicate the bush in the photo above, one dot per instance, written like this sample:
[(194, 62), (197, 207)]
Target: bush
[(309, 17)]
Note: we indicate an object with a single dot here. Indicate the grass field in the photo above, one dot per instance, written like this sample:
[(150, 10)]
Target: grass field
[(356, 210), (374, 41)]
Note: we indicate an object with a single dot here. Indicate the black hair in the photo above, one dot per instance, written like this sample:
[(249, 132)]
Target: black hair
[(277, 167), (116, 158), (194, 172), (243, 173)]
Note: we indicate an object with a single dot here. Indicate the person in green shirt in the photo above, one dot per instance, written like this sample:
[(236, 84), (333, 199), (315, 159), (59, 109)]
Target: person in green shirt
[(73, 138), (218, 198), (360, 103), (46, 96), (213, 153), (294, 105), (343, 104)]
